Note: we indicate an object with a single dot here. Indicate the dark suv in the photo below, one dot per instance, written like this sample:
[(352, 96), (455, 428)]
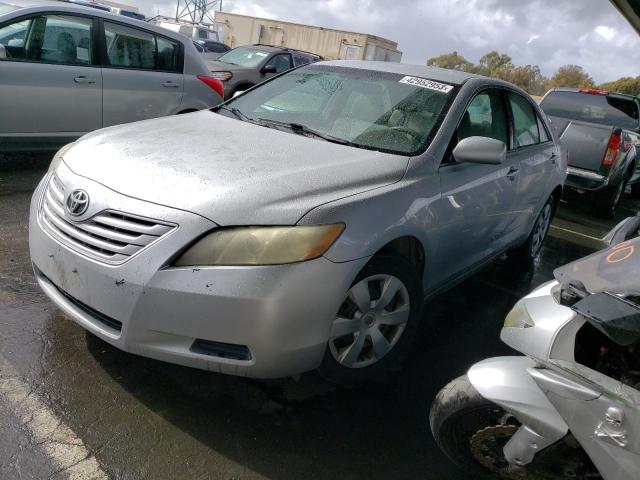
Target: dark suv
[(243, 67)]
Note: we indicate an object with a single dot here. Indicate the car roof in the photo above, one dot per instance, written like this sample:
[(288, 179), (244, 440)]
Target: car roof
[(454, 77), (35, 6)]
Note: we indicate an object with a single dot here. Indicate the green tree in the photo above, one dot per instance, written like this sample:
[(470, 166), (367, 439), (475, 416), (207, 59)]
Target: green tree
[(628, 85), (527, 77), (492, 63), (452, 61), (572, 76)]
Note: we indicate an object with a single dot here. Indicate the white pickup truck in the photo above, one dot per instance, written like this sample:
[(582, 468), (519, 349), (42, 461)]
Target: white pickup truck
[(601, 132)]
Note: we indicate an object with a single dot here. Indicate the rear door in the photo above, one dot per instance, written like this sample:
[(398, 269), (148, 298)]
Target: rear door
[(142, 74), (534, 154), (50, 82)]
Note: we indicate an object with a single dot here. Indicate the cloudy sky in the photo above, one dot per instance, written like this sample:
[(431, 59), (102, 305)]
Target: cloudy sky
[(549, 33)]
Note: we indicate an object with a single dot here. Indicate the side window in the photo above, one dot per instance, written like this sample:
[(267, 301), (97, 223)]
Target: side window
[(301, 59), (281, 62), (129, 47), (50, 38), (167, 54), (525, 121), (485, 117), (544, 136)]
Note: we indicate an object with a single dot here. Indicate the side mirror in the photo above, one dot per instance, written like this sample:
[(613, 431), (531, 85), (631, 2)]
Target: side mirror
[(3, 52), (483, 150), (268, 69)]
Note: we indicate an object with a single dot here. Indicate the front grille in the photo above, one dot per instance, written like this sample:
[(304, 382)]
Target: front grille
[(110, 236)]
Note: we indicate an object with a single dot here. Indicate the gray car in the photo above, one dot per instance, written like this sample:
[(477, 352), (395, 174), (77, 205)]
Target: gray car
[(304, 224), (243, 67), (67, 70)]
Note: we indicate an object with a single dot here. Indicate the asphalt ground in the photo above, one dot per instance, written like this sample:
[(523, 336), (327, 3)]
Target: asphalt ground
[(71, 406)]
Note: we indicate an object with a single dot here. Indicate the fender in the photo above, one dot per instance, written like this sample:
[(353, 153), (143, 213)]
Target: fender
[(506, 381)]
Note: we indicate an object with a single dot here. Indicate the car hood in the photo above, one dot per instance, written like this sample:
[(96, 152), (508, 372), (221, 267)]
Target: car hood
[(232, 172)]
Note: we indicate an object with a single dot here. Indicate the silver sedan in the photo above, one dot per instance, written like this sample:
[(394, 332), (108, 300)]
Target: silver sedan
[(67, 70), (300, 225)]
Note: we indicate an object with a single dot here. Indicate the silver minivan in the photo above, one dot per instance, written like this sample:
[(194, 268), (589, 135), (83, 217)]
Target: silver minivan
[(66, 70)]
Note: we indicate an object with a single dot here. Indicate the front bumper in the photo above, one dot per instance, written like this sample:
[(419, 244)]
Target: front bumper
[(279, 315), (581, 179)]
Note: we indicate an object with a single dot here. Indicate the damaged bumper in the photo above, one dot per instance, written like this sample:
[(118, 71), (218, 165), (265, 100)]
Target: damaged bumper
[(263, 322)]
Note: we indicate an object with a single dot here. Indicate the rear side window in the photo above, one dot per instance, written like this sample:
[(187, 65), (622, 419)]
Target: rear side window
[(485, 117), (525, 121), (50, 38), (601, 109), (301, 59), (137, 49)]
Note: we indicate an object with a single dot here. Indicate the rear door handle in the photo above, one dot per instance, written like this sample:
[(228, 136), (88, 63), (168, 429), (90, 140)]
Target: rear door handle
[(83, 79), (170, 84), (553, 158), (513, 172)]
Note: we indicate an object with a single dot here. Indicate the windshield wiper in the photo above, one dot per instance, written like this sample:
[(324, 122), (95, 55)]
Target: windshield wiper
[(239, 115), (304, 130)]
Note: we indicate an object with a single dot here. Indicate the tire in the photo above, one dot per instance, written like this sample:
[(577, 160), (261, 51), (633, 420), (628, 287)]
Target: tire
[(455, 403), (473, 431), (531, 248), (606, 202), (367, 342)]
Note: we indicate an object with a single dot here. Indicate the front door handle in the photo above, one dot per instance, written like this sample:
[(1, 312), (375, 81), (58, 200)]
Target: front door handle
[(170, 84), (553, 158), (512, 173), (83, 79)]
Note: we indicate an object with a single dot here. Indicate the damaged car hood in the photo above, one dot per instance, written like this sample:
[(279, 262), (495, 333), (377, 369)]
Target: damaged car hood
[(230, 171)]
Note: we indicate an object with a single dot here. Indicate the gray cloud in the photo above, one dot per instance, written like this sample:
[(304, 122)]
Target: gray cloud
[(549, 33)]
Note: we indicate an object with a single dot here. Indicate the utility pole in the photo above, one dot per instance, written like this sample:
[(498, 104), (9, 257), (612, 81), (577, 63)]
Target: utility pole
[(197, 11)]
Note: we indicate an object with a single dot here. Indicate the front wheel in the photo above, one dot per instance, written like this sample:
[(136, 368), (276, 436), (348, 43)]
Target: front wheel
[(473, 432), (376, 324)]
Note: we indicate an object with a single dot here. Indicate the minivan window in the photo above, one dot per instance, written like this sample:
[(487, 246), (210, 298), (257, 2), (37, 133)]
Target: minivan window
[(49, 38), (600, 109), (525, 121), (244, 57), (367, 109)]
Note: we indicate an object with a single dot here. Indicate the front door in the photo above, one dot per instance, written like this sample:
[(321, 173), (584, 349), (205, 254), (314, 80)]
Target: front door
[(142, 78), (50, 84), (475, 212)]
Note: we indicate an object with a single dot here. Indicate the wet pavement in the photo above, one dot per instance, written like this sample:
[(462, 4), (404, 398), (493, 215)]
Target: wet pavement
[(144, 419)]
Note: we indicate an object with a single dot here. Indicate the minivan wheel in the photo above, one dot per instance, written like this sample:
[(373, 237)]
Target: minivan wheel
[(376, 324), (530, 250)]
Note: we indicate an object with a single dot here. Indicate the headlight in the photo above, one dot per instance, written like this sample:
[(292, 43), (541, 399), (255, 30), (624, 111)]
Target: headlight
[(261, 245), (519, 317), (57, 158), (224, 76)]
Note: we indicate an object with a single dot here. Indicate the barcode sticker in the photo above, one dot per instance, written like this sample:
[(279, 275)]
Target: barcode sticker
[(430, 84)]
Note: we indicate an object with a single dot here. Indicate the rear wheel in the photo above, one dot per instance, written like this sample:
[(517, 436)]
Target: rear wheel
[(606, 202), (376, 323), (473, 431), (530, 250)]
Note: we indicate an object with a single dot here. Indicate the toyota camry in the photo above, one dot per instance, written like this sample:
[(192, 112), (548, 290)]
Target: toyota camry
[(300, 225)]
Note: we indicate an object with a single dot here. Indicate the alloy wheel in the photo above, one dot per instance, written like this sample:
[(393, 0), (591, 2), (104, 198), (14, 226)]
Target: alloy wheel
[(370, 321)]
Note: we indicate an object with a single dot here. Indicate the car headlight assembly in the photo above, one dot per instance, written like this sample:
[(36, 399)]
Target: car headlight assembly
[(224, 76), (519, 317), (261, 245)]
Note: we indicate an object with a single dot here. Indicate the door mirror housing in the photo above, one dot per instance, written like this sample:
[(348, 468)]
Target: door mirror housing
[(268, 69), (482, 150), (3, 52)]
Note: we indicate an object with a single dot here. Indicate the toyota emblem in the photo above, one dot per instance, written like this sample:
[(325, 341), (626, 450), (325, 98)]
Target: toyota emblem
[(77, 202)]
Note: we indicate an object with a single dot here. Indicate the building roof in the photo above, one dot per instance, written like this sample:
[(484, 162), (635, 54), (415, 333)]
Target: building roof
[(306, 25)]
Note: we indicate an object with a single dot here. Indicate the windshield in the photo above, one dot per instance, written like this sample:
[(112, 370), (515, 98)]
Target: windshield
[(601, 109), (244, 56), (367, 109)]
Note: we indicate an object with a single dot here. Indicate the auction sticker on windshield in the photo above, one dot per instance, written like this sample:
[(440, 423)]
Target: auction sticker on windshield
[(430, 84)]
